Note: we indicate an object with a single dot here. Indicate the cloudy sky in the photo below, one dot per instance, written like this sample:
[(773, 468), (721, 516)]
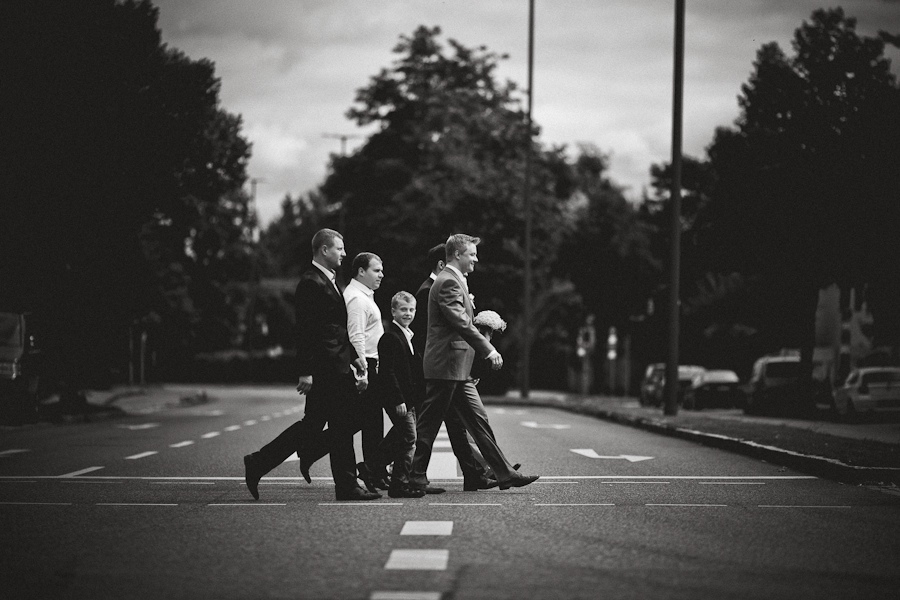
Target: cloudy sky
[(602, 73)]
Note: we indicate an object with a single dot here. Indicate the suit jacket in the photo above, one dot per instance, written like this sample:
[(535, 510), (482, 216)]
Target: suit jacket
[(419, 325), (323, 347), (399, 371), (453, 340)]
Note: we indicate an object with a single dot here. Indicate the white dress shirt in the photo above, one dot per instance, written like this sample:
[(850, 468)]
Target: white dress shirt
[(409, 335), (363, 319)]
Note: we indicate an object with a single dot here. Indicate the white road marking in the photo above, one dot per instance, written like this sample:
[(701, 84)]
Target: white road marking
[(687, 505), (293, 457), (232, 428), (13, 451), (427, 528), (182, 483), (141, 455), (360, 504), (535, 425), (250, 422), (132, 504), (139, 427), (731, 483), (799, 506), (265, 418), (211, 434), (637, 482), (81, 472), (441, 466), (181, 444), (590, 453), (405, 596), (557, 482), (442, 444), (464, 504), (418, 560), (37, 503), (576, 504), (248, 504)]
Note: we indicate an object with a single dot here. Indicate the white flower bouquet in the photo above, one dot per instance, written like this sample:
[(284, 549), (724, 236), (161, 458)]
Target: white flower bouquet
[(488, 318)]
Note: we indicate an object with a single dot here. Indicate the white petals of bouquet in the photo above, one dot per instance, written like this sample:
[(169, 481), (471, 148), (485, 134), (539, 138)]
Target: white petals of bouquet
[(489, 318)]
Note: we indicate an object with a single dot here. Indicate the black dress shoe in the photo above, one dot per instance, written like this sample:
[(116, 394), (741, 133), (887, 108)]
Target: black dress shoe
[(518, 480), (364, 473), (252, 475), (304, 467), (428, 489), (356, 493), (482, 483), (404, 491)]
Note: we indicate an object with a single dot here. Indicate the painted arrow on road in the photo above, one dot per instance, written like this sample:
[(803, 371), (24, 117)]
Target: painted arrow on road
[(589, 452), (536, 425)]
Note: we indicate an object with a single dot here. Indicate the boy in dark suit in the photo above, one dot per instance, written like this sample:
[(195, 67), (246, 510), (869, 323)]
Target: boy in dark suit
[(401, 387)]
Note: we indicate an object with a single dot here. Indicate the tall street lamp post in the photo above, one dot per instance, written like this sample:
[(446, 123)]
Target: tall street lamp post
[(526, 347), (671, 391)]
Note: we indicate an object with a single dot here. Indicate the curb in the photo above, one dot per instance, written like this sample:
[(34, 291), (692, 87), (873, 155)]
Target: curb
[(814, 465)]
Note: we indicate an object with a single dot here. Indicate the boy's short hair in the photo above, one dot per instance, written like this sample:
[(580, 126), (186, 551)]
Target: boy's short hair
[(402, 297)]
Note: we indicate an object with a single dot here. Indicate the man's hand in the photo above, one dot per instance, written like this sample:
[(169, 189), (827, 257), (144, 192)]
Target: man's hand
[(305, 384), (359, 364), (496, 360), (400, 409)]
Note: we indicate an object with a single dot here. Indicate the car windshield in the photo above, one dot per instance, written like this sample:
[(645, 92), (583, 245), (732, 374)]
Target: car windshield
[(720, 377), (783, 369)]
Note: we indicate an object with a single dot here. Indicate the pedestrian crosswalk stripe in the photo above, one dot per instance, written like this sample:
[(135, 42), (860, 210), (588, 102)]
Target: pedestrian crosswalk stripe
[(418, 560), (181, 444), (141, 455), (405, 596), (427, 528), (441, 466)]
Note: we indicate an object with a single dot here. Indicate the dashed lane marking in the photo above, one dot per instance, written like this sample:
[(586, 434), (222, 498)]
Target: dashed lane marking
[(575, 504), (427, 528), (232, 428), (133, 504), (800, 506), (418, 560), (360, 504), (141, 455), (247, 504), (12, 451), (181, 444), (637, 482), (464, 504), (81, 472), (250, 422), (211, 434), (731, 482), (182, 483), (36, 503), (688, 505), (139, 426), (405, 596)]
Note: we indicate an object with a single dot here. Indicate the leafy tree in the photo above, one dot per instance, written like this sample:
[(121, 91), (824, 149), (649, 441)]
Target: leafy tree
[(806, 189), (447, 157), (119, 158)]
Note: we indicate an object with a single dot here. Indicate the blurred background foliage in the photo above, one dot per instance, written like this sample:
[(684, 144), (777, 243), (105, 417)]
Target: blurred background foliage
[(126, 223)]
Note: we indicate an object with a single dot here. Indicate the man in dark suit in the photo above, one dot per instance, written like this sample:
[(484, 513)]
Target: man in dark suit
[(453, 341), (324, 359), (474, 474), (400, 386)]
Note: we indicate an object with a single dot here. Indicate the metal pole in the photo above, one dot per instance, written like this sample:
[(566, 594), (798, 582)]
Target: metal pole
[(671, 391), (526, 347)]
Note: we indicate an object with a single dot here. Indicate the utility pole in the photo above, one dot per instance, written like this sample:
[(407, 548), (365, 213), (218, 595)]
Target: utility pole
[(343, 137), (671, 390), (254, 231), (526, 346)]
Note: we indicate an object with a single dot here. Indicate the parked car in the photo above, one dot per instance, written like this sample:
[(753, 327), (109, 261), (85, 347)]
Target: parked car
[(19, 369), (651, 381), (869, 389), (686, 373), (774, 384), (715, 388)]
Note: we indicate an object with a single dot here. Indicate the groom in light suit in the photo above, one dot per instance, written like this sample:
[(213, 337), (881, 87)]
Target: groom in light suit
[(453, 341)]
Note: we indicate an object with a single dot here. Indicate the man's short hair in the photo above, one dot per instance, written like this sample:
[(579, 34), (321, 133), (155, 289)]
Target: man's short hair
[(362, 261), (324, 237), (402, 297), (437, 253), (458, 242)]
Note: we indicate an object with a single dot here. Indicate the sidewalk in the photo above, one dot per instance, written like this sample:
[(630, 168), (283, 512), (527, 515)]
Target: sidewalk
[(853, 453)]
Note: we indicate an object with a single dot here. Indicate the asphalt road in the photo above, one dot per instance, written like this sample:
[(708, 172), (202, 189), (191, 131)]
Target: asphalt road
[(153, 505)]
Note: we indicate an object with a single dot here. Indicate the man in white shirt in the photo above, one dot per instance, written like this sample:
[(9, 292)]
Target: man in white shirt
[(364, 328)]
